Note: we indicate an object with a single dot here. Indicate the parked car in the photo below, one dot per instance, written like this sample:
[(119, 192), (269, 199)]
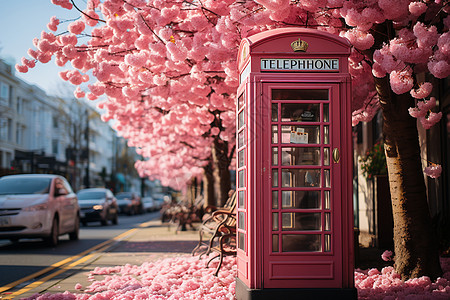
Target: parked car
[(149, 204), (136, 206), (38, 206), (98, 204)]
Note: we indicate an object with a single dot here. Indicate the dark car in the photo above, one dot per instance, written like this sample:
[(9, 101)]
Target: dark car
[(130, 203), (97, 204)]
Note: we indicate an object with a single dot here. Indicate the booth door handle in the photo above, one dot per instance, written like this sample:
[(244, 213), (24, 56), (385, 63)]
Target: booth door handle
[(336, 155)]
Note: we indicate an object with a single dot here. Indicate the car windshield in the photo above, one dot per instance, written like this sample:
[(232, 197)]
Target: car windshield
[(91, 195), (22, 185), (123, 196)]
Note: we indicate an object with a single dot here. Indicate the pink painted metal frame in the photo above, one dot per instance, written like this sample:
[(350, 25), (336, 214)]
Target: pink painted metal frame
[(256, 262)]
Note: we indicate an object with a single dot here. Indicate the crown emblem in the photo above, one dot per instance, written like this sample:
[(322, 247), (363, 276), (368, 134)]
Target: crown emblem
[(299, 45)]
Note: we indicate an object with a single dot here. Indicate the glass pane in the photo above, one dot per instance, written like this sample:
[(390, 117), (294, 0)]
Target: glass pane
[(241, 139), (327, 221), (326, 156), (241, 241), (274, 112), (241, 119), (326, 195), (300, 156), (274, 134), (275, 247), (241, 199), (241, 101), (275, 156), (241, 158), (274, 178), (327, 178), (327, 246), (326, 113), (300, 199), (241, 178), (241, 224), (274, 199), (299, 94), (326, 134), (300, 112), (301, 243), (274, 221), (300, 178), (300, 134), (301, 221)]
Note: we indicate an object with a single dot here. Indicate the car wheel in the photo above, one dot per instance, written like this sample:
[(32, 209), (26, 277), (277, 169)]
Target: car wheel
[(52, 239), (115, 219), (74, 235)]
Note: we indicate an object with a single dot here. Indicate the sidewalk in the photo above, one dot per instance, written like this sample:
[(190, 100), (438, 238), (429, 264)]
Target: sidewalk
[(153, 241)]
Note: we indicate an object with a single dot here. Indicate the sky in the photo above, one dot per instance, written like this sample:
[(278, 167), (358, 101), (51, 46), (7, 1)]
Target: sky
[(23, 20)]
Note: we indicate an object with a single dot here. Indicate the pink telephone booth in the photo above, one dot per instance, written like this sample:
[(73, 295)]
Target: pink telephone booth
[(294, 167)]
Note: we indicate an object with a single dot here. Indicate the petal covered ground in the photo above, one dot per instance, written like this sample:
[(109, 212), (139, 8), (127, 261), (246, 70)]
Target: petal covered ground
[(185, 277)]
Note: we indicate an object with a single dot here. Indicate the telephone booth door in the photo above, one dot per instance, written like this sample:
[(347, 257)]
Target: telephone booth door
[(302, 186)]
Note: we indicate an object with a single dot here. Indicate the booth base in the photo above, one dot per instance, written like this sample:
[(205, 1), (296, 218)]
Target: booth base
[(244, 293)]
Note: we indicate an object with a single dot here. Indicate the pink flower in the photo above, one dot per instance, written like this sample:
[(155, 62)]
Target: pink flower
[(21, 68), (433, 171), (431, 120), (401, 81), (78, 286), (76, 27), (53, 24), (387, 255), (417, 8), (423, 91)]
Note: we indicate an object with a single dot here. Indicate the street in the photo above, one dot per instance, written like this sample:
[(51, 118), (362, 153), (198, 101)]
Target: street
[(26, 257)]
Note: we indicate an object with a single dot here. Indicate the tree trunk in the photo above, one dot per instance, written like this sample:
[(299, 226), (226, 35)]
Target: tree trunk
[(208, 186), (221, 172), (416, 248)]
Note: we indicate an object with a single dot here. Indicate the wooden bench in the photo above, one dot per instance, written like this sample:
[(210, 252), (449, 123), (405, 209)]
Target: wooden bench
[(218, 233)]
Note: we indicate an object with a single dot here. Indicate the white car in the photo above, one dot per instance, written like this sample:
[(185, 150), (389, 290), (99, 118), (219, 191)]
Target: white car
[(38, 206)]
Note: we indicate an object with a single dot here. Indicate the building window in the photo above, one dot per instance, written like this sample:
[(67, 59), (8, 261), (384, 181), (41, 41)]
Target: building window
[(19, 105), (10, 132), (55, 146), (19, 134), (4, 91), (55, 121), (3, 128)]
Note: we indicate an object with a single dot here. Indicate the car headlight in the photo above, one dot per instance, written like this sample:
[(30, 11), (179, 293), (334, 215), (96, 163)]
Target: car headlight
[(42, 206), (98, 207)]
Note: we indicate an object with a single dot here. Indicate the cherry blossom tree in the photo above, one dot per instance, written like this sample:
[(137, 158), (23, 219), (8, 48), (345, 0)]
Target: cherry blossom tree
[(168, 70)]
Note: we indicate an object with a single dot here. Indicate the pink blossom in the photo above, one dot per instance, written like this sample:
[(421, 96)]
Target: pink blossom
[(21, 68), (423, 91), (433, 171), (76, 27), (90, 17), (431, 120), (387, 255), (401, 81), (63, 3), (427, 37), (78, 286), (53, 24), (440, 69), (78, 93), (417, 8)]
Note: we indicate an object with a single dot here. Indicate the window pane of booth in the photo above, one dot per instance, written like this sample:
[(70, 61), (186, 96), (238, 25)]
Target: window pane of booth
[(326, 156), (275, 156), (241, 224), (294, 221), (241, 139), (299, 94), (274, 221), (241, 199), (327, 221), (274, 112), (326, 195), (300, 199), (300, 134), (241, 241), (300, 156), (326, 113), (274, 178), (301, 243), (241, 179), (241, 158), (300, 178), (275, 199), (241, 119), (275, 247), (300, 112), (327, 246), (241, 101), (274, 134), (327, 178), (326, 135)]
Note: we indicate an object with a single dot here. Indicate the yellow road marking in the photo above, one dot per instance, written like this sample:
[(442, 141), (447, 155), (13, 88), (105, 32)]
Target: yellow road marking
[(98, 248)]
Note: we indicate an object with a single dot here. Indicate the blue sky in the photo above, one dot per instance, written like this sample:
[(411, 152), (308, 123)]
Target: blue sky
[(20, 22)]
